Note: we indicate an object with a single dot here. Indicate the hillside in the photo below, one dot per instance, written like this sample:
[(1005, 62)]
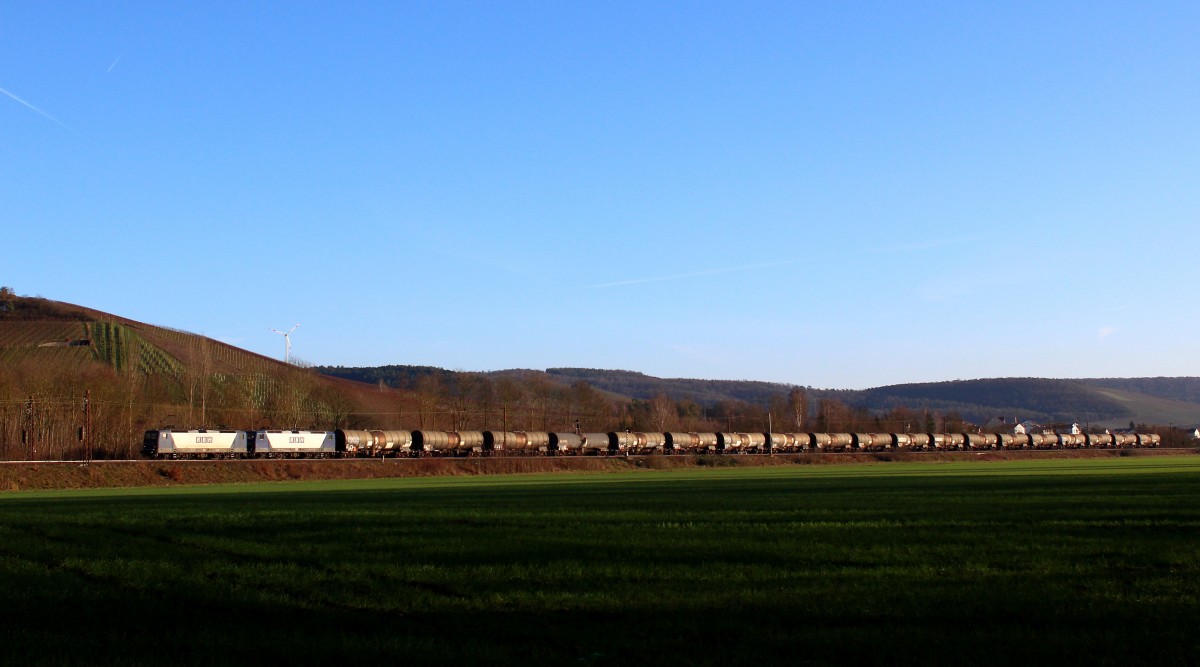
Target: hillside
[(1040, 400), (1144, 408), (31, 327), (1089, 402), (1185, 389), (140, 376)]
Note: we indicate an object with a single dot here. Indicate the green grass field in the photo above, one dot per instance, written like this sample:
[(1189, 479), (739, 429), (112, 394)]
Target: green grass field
[(1048, 562)]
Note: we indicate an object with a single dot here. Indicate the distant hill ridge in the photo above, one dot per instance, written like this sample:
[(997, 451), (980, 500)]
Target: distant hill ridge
[(1109, 402), (640, 385)]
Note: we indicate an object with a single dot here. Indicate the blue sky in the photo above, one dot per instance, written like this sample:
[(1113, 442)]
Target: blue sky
[(828, 194)]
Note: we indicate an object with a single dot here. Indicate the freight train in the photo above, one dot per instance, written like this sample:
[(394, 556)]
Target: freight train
[(167, 443)]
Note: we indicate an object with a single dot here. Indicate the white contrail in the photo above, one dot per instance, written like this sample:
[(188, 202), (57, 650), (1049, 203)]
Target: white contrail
[(114, 63), (59, 122)]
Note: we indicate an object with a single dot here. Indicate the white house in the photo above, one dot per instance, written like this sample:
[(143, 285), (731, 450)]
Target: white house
[(1025, 428)]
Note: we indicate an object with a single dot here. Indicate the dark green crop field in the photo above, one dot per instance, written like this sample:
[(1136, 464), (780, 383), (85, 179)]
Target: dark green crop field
[(1046, 562)]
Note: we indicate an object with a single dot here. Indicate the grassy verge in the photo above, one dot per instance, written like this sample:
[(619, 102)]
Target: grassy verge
[(1088, 561), (23, 477)]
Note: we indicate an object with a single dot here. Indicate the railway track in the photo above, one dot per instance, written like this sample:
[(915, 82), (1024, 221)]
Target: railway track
[(1015, 453)]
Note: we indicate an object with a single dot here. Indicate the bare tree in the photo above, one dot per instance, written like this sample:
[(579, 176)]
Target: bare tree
[(663, 413), (592, 408), (462, 396), (538, 397), (197, 369), (508, 395), (429, 391), (798, 405)]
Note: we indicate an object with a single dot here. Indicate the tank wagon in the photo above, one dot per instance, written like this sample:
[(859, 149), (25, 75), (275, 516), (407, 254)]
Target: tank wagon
[(982, 440), (566, 443), (781, 443), (622, 442), (1125, 439), (1100, 440), (920, 442), (681, 443), (1014, 441), (447, 443), (903, 442), (1071, 440), (593, 443), (874, 442), (833, 442), (216, 444), (754, 442), (649, 443), (392, 443), (522, 442), (353, 442)]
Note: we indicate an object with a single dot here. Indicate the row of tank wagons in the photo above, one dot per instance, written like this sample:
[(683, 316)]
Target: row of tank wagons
[(168, 443)]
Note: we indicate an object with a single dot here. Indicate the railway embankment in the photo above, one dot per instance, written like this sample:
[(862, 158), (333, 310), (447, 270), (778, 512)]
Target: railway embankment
[(16, 476)]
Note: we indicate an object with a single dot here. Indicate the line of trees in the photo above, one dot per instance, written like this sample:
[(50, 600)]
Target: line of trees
[(42, 414)]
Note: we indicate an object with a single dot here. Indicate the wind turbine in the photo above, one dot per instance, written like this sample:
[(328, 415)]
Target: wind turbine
[(287, 343)]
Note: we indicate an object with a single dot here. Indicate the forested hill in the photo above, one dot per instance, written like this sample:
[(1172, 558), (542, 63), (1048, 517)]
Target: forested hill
[(626, 384), (1109, 401), (394, 376), (1037, 399), (1113, 402), (639, 385)]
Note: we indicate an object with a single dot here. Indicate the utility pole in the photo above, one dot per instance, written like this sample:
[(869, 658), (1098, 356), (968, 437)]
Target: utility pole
[(27, 432), (770, 433), (33, 438), (87, 426)]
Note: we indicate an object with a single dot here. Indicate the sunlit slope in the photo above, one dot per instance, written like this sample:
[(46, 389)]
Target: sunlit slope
[(1147, 409), (53, 337), (45, 330)]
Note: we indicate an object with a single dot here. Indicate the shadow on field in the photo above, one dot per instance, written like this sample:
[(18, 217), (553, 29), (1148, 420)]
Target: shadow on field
[(717, 568), (61, 627)]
